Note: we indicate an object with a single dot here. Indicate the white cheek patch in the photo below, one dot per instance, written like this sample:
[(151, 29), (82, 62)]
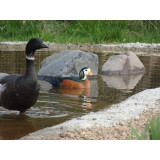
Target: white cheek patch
[(85, 77)]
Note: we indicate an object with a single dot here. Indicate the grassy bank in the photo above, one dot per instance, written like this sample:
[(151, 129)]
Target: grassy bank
[(81, 31)]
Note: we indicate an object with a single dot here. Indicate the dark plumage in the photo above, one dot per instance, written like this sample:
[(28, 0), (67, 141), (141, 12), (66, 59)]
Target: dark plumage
[(20, 92)]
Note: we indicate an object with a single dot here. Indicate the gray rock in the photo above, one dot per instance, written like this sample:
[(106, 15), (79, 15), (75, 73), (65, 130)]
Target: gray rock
[(123, 64), (44, 86), (68, 63)]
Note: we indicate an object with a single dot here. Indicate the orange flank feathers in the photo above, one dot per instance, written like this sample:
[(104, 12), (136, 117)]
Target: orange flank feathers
[(67, 83), (74, 83)]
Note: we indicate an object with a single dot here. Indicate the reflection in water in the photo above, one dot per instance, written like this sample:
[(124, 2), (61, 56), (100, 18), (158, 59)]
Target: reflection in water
[(85, 92), (87, 103), (16, 125), (79, 91), (80, 95), (55, 106), (122, 82)]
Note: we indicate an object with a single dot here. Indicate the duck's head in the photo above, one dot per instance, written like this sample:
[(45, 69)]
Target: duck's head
[(32, 46), (84, 72)]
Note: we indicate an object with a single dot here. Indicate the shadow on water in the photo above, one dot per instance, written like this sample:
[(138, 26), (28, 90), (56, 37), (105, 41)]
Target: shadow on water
[(55, 106)]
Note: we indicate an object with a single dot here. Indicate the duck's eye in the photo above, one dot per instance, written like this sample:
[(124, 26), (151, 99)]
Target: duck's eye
[(86, 70)]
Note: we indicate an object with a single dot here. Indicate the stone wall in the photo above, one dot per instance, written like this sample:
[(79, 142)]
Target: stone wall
[(94, 48)]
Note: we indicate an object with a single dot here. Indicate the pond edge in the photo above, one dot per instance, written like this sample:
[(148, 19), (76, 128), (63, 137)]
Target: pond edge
[(129, 109), (94, 48)]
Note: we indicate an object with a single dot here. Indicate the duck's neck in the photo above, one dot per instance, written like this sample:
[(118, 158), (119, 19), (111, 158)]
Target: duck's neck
[(83, 78), (86, 83), (30, 70)]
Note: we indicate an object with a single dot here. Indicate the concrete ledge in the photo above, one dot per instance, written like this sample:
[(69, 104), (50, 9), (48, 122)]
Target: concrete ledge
[(94, 48)]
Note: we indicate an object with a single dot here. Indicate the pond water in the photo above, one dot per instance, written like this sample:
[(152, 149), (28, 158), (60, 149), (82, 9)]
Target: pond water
[(55, 106)]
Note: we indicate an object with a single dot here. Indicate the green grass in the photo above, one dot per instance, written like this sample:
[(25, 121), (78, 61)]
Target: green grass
[(151, 130), (77, 31), (155, 128)]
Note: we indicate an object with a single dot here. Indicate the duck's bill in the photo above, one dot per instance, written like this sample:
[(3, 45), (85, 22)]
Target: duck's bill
[(44, 46), (90, 73)]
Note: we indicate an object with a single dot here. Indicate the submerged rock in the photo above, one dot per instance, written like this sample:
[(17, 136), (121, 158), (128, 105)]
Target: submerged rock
[(123, 64), (68, 63)]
